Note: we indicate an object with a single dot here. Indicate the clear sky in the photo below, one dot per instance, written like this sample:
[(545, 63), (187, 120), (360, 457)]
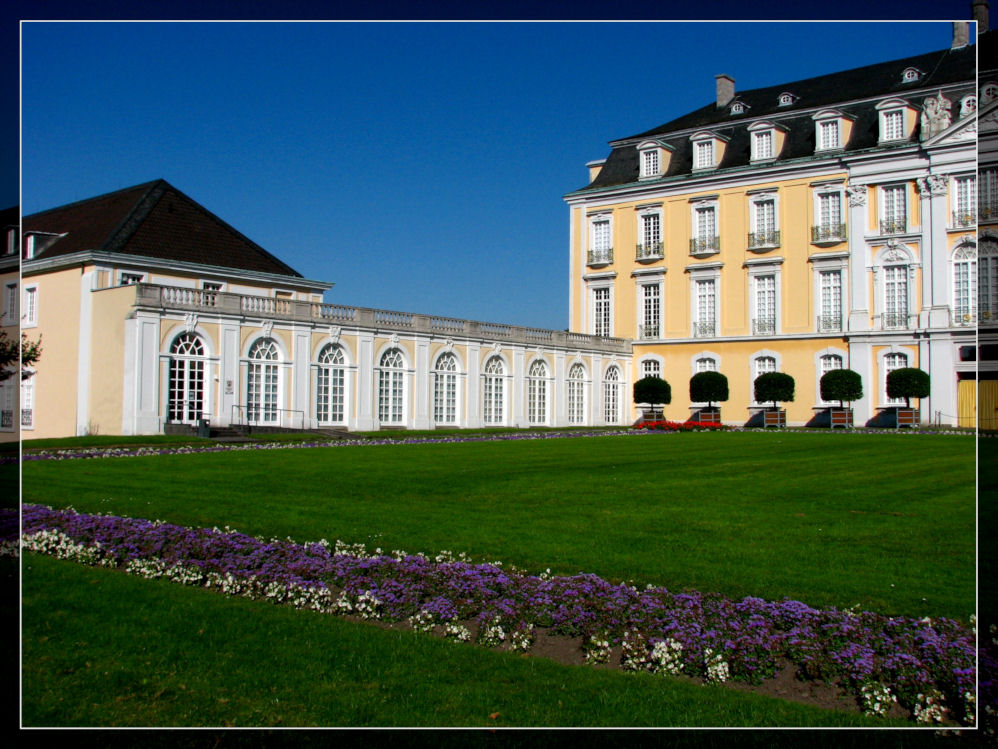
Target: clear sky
[(418, 166)]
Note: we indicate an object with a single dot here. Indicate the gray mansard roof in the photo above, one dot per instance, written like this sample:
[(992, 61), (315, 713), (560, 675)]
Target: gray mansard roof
[(854, 93)]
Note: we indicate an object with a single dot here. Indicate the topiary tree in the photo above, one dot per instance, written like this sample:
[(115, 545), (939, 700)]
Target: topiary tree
[(907, 383), (841, 385), (652, 390), (774, 386), (707, 387)]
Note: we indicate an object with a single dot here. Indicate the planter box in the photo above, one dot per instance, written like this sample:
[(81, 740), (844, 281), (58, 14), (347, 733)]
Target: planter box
[(653, 414), (840, 417), (707, 416), (774, 417), (907, 417)]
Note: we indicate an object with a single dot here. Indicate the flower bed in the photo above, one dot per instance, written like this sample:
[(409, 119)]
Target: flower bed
[(678, 426), (925, 666)]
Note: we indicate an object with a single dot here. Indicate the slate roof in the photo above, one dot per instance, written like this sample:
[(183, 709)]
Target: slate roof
[(832, 91), (155, 220), (9, 216)]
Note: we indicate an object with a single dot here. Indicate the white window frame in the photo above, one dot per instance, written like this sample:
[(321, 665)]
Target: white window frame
[(964, 282), (760, 133), (11, 241), (495, 390), (613, 388), (130, 278), (963, 201), (707, 273), (650, 330), (696, 368), (598, 251), (890, 111), (989, 92), (756, 202), (911, 75), (647, 247), (651, 365), (538, 392), (575, 393), (987, 285), (828, 122), (390, 381), (188, 377), (896, 261), (703, 243), (821, 359), (596, 319), (893, 355), (331, 373), (447, 389), (786, 99), (9, 404), (30, 306), (26, 409), (755, 362), (894, 221), (828, 232), (706, 151), (261, 369), (11, 304)]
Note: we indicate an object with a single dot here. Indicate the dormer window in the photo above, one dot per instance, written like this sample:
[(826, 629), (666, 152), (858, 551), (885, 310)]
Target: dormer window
[(653, 157), (911, 75), (786, 99), (739, 107), (893, 120), (767, 140), (989, 92), (831, 130), (707, 150)]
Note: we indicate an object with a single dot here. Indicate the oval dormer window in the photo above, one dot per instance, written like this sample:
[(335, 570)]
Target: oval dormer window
[(911, 74)]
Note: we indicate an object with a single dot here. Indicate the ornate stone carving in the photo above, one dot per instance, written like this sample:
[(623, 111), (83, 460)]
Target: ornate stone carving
[(268, 327), (449, 345), (394, 339), (968, 105), (497, 347), (190, 321), (936, 115), (933, 184), (334, 333), (857, 194)]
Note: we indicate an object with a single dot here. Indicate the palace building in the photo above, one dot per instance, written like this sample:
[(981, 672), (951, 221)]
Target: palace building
[(816, 224), (812, 225), (154, 312)]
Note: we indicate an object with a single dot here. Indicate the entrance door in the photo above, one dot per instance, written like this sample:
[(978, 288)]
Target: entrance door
[(987, 404)]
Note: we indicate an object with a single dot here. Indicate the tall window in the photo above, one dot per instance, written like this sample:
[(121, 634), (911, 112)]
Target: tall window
[(704, 321), (895, 210), (764, 364), (828, 134), (704, 229), (965, 201), (706, 364), (10, 304), (600, 242), (896, 296), (830, 226), (537, 393), (651, 368), (261, 382), (493, 400), (30, 306), (611, 396), (650, 163), (651, 235), (891, 362), (7, 404), (651, 304), (987, 287), (445, 390), (703, 154), (826, 364), (330, 383), (576, 394), (391, 388), (830, 314), (892, 125), (601, 312), (28, 403), (988, 197), (187, 364), (764, 232), (764, 322), (965, 286)]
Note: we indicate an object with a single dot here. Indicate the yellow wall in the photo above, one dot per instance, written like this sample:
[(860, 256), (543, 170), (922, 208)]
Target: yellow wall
[(107, 357)]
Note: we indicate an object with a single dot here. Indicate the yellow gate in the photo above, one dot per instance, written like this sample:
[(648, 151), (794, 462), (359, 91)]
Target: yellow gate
[(986, 402)]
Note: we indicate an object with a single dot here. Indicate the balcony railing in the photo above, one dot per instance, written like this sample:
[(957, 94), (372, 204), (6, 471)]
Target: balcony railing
[(988, 210), (894, 320), (893, 226), (830, 233), (987, 316), (704, 329), (758, 240), (649, 251), (7, 420), (829, 323), (963, 318), (964, 219), (763, 326), (600, 257), (244, 306), (705, 245), (27, 417), (648, 332)]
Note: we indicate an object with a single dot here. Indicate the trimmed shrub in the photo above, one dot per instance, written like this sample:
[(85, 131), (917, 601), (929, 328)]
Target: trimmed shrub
[(652, 390), (841, 385), (907, 383), (707, 387), (773, 387)]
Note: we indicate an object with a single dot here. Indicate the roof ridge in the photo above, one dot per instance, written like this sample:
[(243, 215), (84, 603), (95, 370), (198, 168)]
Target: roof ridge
[(139, 212)]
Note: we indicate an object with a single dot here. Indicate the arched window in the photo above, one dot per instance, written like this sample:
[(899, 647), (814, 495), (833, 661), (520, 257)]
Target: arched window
[(330, 386), (577, 394), (893, 361), (611, 396), (987, 289), (186, 399), (262, 382), (706, 364), (493, 400), (445, 390), (650, 368), (391, 387), (764, 364), (965, 286), (826, 364), (537, 393)]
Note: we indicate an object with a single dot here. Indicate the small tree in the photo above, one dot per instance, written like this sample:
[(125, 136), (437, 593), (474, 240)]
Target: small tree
[(774, 386), (27, 351), (707, 387), (652, 390), (907, 383), (841, 385)]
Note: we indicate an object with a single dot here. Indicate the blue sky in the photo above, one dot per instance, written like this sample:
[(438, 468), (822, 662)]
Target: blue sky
[(418, 166)]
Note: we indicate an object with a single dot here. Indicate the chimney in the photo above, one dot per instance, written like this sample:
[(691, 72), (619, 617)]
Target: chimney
[(979, 10), (961, 35), (725, 89)]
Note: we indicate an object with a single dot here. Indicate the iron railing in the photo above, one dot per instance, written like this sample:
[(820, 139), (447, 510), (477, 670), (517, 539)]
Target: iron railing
[(648, 251), (267, 416), (648, 332), (963, 318), (705, 245), (760, 239), (704, 329), (894, 320), (763, 326), (893, 226), (964, 219), (600, 257), (829, 323), (828, 233)]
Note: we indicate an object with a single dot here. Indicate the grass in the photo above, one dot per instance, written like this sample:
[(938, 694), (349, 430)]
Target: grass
[(883, 521), (103, 648)]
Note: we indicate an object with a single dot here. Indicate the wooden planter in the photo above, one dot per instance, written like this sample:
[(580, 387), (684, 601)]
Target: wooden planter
[(707, 416), (907, 417), (774, 417), (840, 417)]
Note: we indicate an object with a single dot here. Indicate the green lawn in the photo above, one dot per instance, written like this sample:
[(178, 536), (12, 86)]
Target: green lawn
[(883, 521)]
